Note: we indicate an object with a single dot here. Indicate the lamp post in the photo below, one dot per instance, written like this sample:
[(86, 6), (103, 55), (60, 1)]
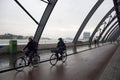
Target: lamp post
[(100, 31), (105, 23), (99, 35), (110, 17)]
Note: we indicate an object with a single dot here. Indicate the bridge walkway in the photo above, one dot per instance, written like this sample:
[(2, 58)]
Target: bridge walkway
[(6, 60), (88, 65)]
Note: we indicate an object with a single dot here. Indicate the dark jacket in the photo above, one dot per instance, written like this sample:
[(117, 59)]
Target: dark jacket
[(31, 46), (61, 45)]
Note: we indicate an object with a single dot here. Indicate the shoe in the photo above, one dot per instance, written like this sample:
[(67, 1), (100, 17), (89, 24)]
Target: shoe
[(28, 63)]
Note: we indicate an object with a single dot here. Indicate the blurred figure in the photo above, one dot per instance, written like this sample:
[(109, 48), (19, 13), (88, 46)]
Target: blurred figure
[(60, 48), (31, 49), (95, 42)]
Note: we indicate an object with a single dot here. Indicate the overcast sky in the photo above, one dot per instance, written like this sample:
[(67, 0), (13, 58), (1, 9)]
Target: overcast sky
[(64, 21)]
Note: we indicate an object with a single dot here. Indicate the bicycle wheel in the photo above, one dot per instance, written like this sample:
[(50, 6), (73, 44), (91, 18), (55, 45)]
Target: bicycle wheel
[(64, 57), (19, 64), (35, 59), (53, 59)]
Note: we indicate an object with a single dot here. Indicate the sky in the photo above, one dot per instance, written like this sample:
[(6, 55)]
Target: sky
[(64, 21)]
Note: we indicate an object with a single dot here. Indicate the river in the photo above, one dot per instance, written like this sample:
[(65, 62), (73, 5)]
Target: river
[(25, 41)]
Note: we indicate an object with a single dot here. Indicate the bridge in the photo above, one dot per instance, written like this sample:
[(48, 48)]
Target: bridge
[(85, 62)]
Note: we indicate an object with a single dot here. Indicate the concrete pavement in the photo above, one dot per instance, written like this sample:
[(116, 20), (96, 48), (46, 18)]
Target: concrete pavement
[(86, 65)]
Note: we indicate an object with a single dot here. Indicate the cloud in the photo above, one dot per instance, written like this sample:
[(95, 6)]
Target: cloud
[(66, 17)]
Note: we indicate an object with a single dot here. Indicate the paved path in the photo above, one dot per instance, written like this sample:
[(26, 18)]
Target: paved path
[(86, 65), (112, 70), (5, 60)]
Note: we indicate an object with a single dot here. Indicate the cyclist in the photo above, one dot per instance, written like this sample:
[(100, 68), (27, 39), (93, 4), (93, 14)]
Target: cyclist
[(31, 49), (60, 48)]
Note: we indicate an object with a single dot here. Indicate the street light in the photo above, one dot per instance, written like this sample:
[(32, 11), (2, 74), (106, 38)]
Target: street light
[(98, 35), (104, 23), (110, 17), (99, 31)]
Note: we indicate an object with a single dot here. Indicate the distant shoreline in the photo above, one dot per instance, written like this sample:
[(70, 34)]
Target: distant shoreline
[(5, 49), (25, 41), (47, 46)]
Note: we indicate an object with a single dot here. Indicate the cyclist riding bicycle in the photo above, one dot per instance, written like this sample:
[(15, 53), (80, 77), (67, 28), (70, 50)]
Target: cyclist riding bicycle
[(61, 47), (31, 49)]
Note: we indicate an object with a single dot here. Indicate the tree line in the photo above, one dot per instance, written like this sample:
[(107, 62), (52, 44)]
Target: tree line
[(12, 36)]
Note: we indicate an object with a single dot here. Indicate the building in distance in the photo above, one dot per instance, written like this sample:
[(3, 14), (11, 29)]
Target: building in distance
[(86, 35)]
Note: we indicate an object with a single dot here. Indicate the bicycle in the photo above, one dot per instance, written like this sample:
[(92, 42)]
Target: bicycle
[(54, 59), (22, 61)]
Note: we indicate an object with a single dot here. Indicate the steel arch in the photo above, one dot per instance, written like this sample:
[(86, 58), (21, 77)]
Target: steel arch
[(114, 36), (99, 2), (114, 25), (112, 32), (100, 23), (106, 27)]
